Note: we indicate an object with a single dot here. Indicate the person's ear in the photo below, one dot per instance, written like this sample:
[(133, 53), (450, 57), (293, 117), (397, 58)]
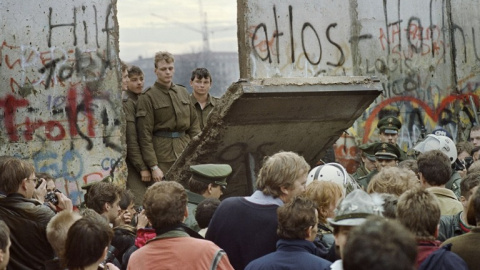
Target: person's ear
[(106, 207), (464, 201), (1, 255), (24, 184), (422, 179), (309, 232), (323, 211), (284, 190), (104, 255), (185, 214), (210, 188)]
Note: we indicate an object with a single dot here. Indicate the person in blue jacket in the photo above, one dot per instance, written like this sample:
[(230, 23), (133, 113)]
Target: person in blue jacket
[(297, 228)]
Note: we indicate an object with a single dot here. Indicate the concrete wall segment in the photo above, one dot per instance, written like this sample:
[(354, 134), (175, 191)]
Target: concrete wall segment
[(293, 38), (59, 90), (426, 54), (259, 118)]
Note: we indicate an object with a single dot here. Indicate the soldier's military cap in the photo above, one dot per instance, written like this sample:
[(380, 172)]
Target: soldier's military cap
[(387, 151), (389, 125), (211, 173), (368, 150)]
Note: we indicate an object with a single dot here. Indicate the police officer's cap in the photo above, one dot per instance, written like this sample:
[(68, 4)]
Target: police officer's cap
[(442, 132), (389, 125), (211, 173), (387, 151), (368, 150)]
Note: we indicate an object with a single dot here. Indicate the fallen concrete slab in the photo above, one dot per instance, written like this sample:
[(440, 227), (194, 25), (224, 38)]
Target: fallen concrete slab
[(258, 118)]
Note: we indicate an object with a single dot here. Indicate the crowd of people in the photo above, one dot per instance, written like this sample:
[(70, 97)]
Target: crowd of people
[(416, 209)]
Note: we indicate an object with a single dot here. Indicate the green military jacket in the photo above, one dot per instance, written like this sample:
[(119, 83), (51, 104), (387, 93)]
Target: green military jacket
[(134, 155), (168, 110), (454, 183), (403, 154), (360, 172), (365, 180), (203, 114), (193, 200)]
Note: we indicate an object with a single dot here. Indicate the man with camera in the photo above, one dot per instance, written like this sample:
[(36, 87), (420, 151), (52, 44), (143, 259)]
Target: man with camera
[(27, 218), (50, 197)]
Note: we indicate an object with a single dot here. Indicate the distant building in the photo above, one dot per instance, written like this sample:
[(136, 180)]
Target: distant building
[(223, 66)]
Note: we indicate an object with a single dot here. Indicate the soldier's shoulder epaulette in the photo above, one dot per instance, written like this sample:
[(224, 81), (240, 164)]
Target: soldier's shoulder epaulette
[(362, 177), (180, 85), (369, 175)]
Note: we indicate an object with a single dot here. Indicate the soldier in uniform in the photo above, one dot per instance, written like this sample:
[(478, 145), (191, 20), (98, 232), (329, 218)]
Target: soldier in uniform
[(388, 129), (139, 177), (166, 119), (201, 81), (368, 161), (386, 155), (207, 181)]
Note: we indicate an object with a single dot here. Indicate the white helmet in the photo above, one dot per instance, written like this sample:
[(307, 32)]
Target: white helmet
[(437, 142), (333, 172)]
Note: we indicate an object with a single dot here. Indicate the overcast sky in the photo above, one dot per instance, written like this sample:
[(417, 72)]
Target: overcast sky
[(149, 26)]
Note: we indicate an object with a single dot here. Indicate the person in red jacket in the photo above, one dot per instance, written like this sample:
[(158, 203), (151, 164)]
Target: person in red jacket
[(173, 248)]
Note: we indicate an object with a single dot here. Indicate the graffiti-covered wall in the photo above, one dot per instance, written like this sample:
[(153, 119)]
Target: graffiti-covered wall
[(426, 54), (60, 104)]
